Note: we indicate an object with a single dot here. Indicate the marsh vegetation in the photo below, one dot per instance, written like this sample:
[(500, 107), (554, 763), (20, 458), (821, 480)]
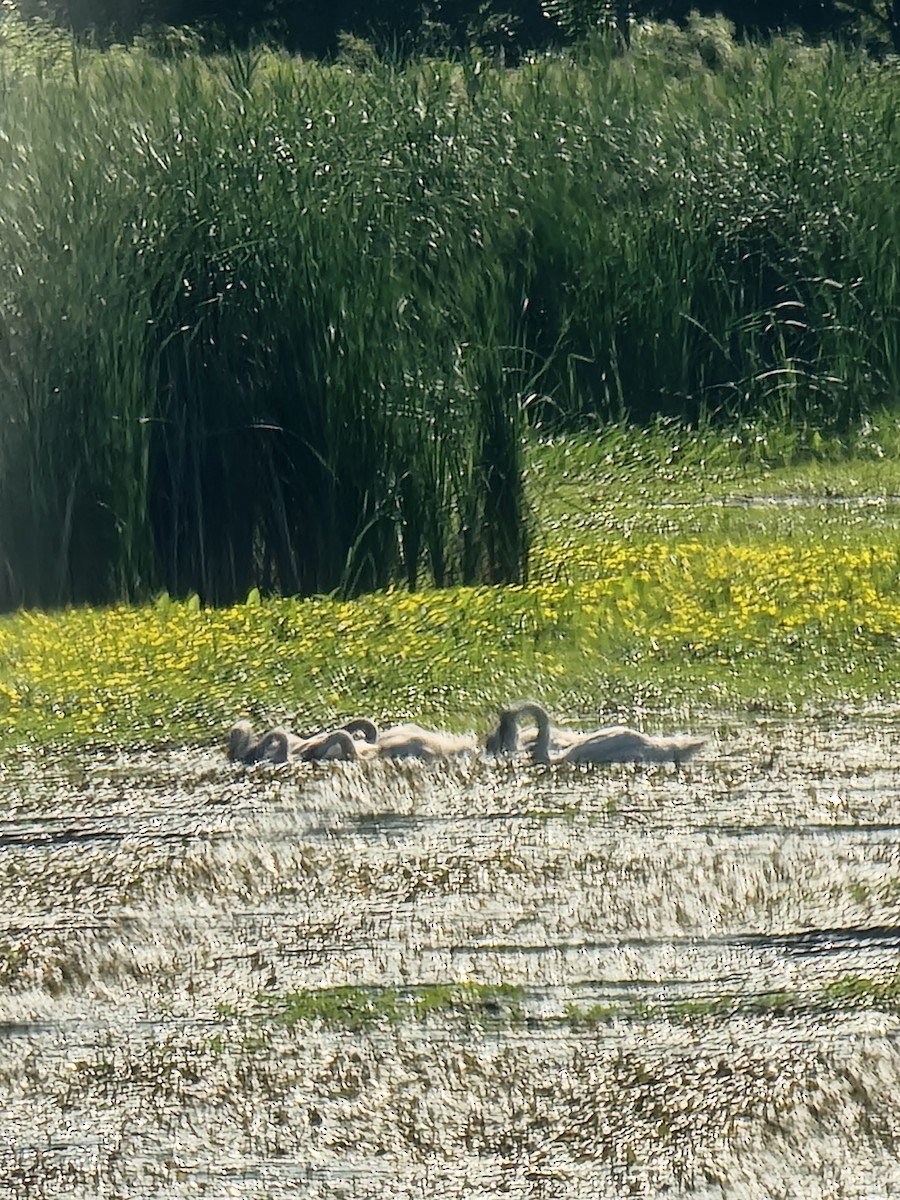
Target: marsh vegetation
[(479, 975), (277, 324), (673, 577), (470, 977)]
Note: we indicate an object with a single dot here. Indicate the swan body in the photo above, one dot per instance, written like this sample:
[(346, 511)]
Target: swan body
[(339, 745), (357, 739), (309, 747), (617, 743), (400, 741), (412, 741)]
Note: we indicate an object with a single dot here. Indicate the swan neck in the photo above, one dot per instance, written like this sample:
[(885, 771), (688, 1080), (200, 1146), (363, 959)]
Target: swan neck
[(541, 750), (341, 738)]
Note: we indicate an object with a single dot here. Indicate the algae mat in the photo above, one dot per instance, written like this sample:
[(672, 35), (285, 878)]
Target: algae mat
[(472, 980)]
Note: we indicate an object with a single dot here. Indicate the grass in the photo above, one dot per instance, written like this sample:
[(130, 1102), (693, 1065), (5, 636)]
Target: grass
[(355, 1007), (647, 591), (847, 993), (277, 324)]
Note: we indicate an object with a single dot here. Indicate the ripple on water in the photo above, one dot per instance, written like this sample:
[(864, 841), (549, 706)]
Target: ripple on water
[(673, 934)]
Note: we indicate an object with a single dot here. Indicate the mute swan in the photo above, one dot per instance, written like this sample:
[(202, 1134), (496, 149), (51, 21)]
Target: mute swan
[(241, 741), (363, 725), (245, 747), (618, 743), (399, 741), (339, 745), (309, 748)]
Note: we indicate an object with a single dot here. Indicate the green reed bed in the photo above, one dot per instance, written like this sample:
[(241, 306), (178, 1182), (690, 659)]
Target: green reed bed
[(272, 323), (221, 369)]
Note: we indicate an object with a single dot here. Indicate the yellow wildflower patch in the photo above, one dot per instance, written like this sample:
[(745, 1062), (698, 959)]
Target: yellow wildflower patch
[(162, 669)]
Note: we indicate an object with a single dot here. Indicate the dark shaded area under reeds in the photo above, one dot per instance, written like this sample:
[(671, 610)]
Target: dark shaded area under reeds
[(403, 28), (270, 323)]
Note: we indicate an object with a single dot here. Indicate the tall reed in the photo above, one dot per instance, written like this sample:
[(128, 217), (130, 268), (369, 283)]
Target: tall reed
[(271, 323)]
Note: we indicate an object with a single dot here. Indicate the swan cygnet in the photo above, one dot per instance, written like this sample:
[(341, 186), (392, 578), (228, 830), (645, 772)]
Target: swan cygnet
[(617, 743), (242, 742), (245, 747), (307, 748), (281, 746), (412, 741), (362, 725)]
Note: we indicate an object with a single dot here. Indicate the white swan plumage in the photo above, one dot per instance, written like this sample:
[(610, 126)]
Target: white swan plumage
[(413, 741), (398, 741)]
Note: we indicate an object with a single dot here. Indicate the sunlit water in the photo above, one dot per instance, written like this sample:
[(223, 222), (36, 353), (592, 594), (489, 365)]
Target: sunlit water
[(152, 904)]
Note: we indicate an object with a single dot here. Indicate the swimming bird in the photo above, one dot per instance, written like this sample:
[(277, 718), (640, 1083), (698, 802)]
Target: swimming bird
[(398, 741), (362, 725), (241, 742), (245, 747), (339, 745), (280, 745), (616, 743)]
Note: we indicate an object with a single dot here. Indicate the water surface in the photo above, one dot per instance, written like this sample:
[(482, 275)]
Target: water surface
[(677, 935)]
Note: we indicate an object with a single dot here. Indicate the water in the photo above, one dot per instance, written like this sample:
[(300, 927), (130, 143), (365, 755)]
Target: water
[(673, 932)]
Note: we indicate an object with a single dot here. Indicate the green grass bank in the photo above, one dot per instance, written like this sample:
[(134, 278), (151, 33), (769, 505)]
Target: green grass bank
[(277, 324)]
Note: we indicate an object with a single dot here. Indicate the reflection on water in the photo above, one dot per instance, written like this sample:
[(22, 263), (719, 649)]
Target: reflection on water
[(679, 937)]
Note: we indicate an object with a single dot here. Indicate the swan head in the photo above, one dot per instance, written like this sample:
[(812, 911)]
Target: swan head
[(241, 742), (274, 747), (505, 738), (362, 725)]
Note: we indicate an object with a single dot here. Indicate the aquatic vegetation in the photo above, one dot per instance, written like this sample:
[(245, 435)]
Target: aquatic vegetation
[(354, 1007), (295, 971), (846, 993), (859, 991), (667, 599)]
